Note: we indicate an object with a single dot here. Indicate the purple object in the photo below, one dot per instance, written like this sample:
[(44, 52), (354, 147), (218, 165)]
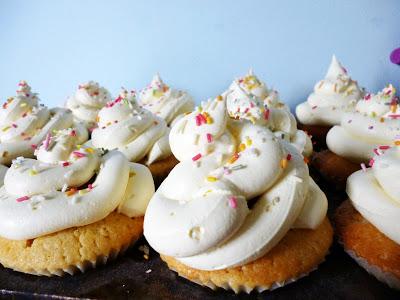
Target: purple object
[(395, 56)]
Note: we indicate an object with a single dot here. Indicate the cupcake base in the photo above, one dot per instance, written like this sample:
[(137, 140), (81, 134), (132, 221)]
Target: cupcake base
[(333, 168), (160, 169), (74, 249), (296, 255), (318, 134), (370, 248)]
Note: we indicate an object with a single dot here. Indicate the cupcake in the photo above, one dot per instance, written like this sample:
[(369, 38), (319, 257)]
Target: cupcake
[(164, 101), (240, 210), (71, 209), (248, 98), (371, 128), (139, 134), (87, 101), (25, 124), (367, 224), (331, 98)]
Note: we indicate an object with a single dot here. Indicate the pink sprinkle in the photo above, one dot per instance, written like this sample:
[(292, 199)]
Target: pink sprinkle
[(232, 201), (65, 164), (371, 162), (34, 147), (202, 118), (251, 104), (396, 116), (266, 114), (14, 125), (384, 147), (363, 167), (367, 97), (91, 129), (78, 154), (370, 127), (196, 157), (22, 199), (73, 133), (289, 156), (246, 110), (90, 186), (47, 141), (376, 151), (209, 137), (314, 107), (198, 120)]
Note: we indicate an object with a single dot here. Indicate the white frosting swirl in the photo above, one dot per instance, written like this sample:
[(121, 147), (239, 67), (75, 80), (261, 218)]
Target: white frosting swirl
[(332, 96), (203, 202), (24, 124), (87, 101), (249, 98), (56, 191), (376, 122), (165, 102), (134, 131), (375, 192)]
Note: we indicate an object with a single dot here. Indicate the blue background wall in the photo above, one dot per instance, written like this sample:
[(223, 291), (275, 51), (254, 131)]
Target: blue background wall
[(196, 45)]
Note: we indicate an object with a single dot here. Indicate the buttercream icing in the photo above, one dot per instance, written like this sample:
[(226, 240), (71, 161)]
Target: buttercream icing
[(203, 203), (133, 130), (334, 95)]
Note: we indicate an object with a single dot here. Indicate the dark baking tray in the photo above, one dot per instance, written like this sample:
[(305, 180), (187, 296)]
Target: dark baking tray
[(339, 277)]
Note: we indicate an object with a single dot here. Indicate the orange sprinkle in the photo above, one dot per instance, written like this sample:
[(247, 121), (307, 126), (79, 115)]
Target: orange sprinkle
[(242, 147), (397, 143), (219, 98), (306, 160), (234, 158), (71, 191)]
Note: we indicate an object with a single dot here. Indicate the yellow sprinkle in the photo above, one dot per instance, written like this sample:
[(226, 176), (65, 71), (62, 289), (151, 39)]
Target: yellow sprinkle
[(55, 131), (209, 120), (211, 178), (253, 120), (78, 147), (284, 163), (23, 104), (6, 128), (393, 108), (249, 142), (242, 147), (382, 120), (200, 108), (306, 159), (32, 172), (108, 123), (219, 98), (145, 256), (373, 114), (89, 150), (81, 192), (97, 119)]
